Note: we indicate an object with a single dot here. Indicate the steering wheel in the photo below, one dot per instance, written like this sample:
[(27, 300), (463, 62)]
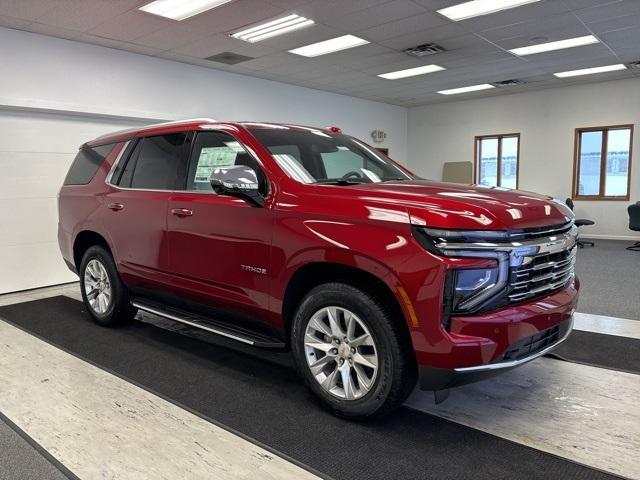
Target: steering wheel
[(350, 174)]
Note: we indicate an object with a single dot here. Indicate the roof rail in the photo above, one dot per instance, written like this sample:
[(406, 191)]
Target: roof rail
[(156, 125)]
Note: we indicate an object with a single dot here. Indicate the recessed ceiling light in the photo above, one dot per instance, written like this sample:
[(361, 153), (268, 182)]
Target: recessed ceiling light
[(590, 71), (472, 88), (412, 72), (180, 9), (559, 45), (330, 46), (273, 28), (475, 8)]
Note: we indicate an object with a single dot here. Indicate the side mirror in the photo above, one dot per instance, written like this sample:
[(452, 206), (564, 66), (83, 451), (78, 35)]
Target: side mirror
[(237, 181)]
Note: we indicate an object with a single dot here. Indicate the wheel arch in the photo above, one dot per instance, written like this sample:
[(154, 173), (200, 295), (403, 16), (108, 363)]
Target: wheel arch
[(312, 274), (84, 240)]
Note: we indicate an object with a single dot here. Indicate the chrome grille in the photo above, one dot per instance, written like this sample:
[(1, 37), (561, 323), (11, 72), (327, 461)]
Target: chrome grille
[(542, 274)]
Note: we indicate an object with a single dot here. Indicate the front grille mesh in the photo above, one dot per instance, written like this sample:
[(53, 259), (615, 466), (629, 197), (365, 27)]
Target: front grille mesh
[(541, 275)]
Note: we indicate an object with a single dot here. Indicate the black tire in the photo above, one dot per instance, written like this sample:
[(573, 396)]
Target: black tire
[(119, 309), (396, 375)]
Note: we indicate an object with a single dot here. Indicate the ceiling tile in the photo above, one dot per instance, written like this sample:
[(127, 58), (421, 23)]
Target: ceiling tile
[(27, 9), (614, 24), (416, 23), (13, 22), (223, 43), (330, 9), (83, 15), (610, 10), (172, 36), (130, 25), (53, 31), (375, 16), (430, 35), (552, 28)]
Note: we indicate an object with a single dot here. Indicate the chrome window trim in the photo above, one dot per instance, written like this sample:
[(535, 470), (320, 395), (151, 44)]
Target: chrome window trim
[(115, 163), (515, 363)]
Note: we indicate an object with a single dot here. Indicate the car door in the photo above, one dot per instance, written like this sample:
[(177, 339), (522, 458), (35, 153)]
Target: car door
[(136, 207), (219, 245)]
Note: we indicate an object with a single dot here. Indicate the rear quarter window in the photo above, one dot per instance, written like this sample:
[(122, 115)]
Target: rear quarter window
[(87, 163)]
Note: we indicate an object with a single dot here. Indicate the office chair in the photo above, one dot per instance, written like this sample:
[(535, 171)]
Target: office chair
[(580, 222), (634, 223)]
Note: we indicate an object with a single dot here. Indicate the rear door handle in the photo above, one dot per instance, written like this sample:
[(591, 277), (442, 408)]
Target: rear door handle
[(181, 212), (116, 207)]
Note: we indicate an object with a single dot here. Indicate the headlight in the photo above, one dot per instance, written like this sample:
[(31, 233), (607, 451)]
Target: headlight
[(470, 286), (468, 289)]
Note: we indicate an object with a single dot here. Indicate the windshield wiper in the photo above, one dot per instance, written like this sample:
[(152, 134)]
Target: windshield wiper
[(339, 182)]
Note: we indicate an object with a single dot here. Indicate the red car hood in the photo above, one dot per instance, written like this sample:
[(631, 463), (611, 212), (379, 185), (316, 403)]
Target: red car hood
[(455, 206)]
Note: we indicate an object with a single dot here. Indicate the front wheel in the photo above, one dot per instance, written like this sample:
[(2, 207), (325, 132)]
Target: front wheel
[(351, 352), (105, 296)]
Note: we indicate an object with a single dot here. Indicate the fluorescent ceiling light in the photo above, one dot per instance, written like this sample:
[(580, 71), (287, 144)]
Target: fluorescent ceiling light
[(590, 71), (475, 8), (329, 46), (273, 28), (472, 88), (181, 9), (411, 72), (559, 45)]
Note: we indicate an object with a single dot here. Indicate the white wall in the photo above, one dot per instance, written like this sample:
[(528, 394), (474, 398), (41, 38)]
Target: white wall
[(35, 152), (41, 71), (546, 121), (56, 94)]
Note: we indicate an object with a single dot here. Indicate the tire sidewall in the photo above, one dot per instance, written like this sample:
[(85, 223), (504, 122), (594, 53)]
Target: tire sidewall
[(353, 300)]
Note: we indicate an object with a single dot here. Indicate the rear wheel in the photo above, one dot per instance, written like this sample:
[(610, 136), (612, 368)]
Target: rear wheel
[(351, 352), (105, 296)]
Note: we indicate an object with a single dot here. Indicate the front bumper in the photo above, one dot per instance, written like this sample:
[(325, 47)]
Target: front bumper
[(432, 378)]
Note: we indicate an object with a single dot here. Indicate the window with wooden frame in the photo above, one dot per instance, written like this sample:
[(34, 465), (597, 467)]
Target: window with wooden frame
[(602, 163), (497, 159)]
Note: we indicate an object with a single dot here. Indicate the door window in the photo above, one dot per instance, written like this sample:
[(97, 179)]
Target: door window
[(217, 149), (154, 163)]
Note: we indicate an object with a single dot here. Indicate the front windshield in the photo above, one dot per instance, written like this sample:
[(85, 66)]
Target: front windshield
[(314, 156)]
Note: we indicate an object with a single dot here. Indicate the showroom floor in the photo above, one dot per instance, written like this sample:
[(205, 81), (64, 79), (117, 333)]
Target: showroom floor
[(167, 403)]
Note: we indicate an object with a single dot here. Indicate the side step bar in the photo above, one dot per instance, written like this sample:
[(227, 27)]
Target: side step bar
[(209, 325)]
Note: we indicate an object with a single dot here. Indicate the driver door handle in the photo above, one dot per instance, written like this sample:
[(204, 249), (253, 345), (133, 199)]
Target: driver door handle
[(181, 212), (116, 207)]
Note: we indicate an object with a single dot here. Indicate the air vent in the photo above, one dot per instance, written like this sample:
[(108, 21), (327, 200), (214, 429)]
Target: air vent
[(424, 50), (229, 58), (509, 83), (634, 65)]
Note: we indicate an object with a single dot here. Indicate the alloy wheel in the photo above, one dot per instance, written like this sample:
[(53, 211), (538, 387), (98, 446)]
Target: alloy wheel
[(97, 286), (341, 353)]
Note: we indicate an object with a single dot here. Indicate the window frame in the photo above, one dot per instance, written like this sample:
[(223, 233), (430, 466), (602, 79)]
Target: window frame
[(130, 153), (193, 139), (477, 151), (575, 195)]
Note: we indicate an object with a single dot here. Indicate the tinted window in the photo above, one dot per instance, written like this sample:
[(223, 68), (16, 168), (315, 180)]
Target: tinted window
[(87, 163), (154, 162), (217, 149)]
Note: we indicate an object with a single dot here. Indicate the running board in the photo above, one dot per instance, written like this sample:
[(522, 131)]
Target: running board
[(209, 325)]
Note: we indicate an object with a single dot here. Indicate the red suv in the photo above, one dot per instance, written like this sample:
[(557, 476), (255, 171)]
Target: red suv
[(292, 237)]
